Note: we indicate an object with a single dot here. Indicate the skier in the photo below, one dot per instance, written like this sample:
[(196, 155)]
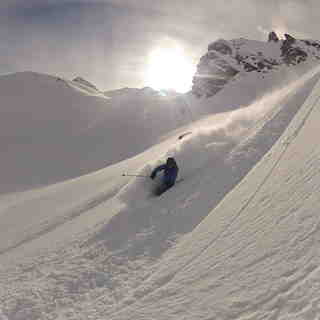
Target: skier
[(170, 174)]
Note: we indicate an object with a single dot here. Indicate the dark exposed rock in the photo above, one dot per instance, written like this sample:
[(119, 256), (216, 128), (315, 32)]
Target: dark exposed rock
[(289, 38), (249, 67), (273, 37), (287, 44), (312, 43), (225, 59), (292, 54), (82, 81)]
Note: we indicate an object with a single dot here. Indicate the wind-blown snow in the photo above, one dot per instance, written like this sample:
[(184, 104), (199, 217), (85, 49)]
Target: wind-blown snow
[(101, 247), (256, 256)]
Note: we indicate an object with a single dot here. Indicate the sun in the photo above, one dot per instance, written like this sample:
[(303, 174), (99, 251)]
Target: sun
[(169, 68)]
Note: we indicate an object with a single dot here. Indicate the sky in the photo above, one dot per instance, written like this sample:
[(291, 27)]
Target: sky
[(109, 42)]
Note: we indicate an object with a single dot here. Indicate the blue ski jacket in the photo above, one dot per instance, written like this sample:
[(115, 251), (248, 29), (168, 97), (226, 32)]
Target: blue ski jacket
[(170, 173)]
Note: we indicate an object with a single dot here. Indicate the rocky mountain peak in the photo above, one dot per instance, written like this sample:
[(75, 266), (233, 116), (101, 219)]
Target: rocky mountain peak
[(292, 54), (289, 38), (227, 59), (273, 37)]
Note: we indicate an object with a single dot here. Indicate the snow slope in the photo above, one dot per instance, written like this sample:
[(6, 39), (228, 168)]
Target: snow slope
[(256, 256), (53, 129), (100, 247)]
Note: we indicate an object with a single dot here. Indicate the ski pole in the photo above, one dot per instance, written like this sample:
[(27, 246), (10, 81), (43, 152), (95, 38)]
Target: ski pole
[(134, 175)]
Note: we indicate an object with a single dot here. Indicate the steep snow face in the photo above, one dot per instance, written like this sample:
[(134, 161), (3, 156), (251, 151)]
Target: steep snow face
[(52, 129), (100, 246), (226, 60), (256, 256)]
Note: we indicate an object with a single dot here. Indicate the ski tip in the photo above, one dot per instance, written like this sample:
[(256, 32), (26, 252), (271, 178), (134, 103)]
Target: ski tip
[(184, 134)]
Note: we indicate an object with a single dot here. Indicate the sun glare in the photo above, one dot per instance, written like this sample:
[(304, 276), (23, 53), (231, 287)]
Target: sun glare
[(169, 68)]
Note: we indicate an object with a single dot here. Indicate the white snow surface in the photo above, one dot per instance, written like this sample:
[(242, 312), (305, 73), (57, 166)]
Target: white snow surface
[(53, 129), (237, 238)]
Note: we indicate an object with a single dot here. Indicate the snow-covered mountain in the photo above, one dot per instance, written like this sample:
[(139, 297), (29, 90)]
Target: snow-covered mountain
[(52, 129), (238, 238), (143, 92), (124, 92), (227, 60)]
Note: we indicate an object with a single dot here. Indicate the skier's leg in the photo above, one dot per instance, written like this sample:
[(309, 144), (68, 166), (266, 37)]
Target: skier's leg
[(161, 189)]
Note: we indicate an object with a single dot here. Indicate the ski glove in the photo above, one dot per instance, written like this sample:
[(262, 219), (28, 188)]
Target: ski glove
[(153, 175)]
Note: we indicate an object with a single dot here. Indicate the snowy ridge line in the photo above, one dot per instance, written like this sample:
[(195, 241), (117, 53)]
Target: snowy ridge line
[(164, 281)]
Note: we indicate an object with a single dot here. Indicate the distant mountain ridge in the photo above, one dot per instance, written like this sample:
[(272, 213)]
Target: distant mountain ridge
[(227, 59), (82, 81), (52, 129), (145, 92), (131, 91)]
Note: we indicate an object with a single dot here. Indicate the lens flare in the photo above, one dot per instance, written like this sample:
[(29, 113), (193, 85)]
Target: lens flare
[(169, 68)]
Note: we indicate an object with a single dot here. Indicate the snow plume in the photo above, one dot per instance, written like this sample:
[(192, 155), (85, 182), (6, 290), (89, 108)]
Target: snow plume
[(209, 141), (212, 141)]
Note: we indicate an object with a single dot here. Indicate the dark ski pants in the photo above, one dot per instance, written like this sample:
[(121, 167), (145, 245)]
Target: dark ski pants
[(163, 188)]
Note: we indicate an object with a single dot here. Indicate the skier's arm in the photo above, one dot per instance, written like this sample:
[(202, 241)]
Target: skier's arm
[(156, 170)]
